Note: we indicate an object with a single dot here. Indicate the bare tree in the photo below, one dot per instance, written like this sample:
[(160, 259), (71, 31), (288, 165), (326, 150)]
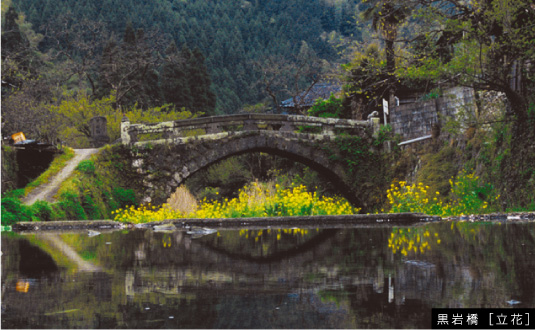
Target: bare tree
[(291, 76), (77, 44)]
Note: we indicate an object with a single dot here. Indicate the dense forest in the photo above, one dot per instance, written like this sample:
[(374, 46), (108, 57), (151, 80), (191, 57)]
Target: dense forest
[(231, 40)]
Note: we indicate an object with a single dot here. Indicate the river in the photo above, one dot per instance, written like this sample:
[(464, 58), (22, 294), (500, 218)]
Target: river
[(355, 277)]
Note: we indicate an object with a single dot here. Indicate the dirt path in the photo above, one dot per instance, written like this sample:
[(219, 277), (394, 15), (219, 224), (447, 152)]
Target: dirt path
[(47, 191)]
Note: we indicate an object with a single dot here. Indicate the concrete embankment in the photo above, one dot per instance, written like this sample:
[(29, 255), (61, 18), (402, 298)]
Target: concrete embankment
[(332, 221)]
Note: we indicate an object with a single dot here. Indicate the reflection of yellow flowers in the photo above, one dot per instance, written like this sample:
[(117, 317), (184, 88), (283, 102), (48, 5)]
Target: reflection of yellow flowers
[(406, 241), (256, 234)]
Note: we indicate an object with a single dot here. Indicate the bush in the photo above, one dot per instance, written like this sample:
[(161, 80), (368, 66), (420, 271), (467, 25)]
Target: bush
[(90, 209), (331, 108), (86, 166), (467, 196), (70, 204), (14, 211), (124, 197), (42, 211)]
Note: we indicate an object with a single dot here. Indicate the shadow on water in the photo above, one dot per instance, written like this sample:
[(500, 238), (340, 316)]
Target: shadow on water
[(367, 277)]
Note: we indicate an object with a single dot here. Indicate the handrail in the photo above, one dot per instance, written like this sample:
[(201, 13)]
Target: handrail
[(248, 122)]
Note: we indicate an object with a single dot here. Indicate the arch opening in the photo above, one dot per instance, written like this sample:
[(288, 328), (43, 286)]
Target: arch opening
[(330, 182)]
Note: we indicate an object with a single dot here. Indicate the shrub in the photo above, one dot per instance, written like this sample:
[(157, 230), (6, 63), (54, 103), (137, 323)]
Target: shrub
[(467, 196), (182, 200), (14, 211), (90, 208), (70, 204), (86, 166), (124, 197), (330, 108), (42, 211)]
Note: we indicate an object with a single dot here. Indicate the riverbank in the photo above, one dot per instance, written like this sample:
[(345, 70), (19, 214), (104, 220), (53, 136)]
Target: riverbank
[(337, 221)]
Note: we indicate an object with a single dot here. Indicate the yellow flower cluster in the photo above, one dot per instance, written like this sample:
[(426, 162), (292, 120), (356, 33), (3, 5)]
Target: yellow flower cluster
[(146, 213), (256, 201), (414, 198), (467, 196), (411, 240)]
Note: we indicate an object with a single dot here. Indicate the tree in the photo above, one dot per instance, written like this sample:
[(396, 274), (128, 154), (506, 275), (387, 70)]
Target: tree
[(173, 78), (386, 16), (490, 47), (200, 84), (75, 45), (368, 81), (20, 58), (282, 76), (128, 69)]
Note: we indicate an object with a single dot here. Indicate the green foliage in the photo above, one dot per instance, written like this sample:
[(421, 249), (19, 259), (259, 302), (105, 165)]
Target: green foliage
[(124, 197), (86, 166), (355, 153), (432, 95), (70, 203), (330, 108), (468, 195), (482, 45), (74, 112), (231, 34), (14, 211), (90, 209), (367, 168), (385, 134), (42, 211), (9, 169), (437, 168)]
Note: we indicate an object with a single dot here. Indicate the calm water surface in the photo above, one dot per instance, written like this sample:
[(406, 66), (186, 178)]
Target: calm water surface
[(387, 277)]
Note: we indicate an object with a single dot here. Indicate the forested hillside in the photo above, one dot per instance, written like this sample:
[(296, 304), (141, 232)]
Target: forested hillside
[(235, 39)]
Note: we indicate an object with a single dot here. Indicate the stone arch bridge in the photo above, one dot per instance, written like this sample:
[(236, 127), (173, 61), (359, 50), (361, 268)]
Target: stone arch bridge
[(165, 154)]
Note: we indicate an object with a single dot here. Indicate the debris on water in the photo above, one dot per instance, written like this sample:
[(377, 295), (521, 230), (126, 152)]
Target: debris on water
[(419, 263), (164, 228), (108, 243), (171, 317), (92, 233), (147, 308), (197, 232), (513, 302), (141, 225)]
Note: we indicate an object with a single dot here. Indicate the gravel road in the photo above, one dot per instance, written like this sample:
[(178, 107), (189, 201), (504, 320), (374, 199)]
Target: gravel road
[(47, 191)]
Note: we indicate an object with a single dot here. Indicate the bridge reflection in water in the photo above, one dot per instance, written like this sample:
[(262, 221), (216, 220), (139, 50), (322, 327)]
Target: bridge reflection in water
[(284, 278)]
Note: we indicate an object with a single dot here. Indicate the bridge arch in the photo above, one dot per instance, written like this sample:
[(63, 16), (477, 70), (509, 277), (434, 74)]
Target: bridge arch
[(167, 163), (168, 166)]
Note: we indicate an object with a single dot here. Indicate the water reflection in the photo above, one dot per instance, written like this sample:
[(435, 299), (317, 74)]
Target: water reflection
[(291, 278)]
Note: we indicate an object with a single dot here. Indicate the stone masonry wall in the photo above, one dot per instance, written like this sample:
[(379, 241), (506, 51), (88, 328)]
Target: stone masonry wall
[(413, 120)]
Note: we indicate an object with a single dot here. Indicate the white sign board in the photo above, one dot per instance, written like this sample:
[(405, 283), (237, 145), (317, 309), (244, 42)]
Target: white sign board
[(385, 106)]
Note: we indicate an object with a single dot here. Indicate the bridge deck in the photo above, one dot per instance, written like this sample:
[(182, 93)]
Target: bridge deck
[(242, 122)]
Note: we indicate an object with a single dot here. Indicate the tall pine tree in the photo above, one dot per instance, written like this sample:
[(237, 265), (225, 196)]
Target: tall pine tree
[(173, 78)]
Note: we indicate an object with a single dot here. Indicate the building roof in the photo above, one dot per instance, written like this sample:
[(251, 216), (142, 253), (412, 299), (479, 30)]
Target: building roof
[(318, 91)]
